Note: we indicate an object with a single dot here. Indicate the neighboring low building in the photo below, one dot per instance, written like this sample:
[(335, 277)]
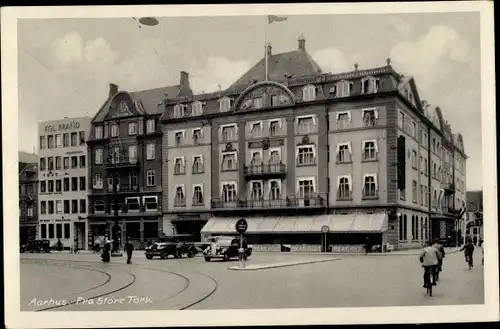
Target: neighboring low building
[(28, 185), (475, 219)]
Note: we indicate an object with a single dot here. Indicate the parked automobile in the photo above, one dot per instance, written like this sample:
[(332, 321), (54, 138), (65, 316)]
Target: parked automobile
[(226, 248), (167, 245), (36, 246)]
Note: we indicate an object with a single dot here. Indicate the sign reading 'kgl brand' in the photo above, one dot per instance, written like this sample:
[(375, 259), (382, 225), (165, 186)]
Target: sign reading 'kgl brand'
[(62, 126)]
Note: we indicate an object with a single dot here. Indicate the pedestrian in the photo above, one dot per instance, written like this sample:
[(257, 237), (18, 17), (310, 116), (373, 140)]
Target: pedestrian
[(441, 255), (468, 250), (59, 245), (178, 250), (129, 248), (429, 258), (106, 257)]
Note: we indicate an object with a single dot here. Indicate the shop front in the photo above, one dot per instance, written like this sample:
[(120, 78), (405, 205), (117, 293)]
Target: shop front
[(443, 227), (27, 232), (322, 233)]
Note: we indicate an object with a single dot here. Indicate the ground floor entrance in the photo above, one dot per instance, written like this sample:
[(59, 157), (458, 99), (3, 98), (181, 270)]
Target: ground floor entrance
[(444, 228), (27, 233)]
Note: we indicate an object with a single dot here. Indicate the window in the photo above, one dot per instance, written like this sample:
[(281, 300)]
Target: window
[(197, 108), (51, 186), (98, 156), (274, 100), (305, 125), (51, 231), (274, 128), (197, 136), (59, 231), (369, 85), (74, 206), (82, 137), (30, 210), (370, 186), (132, 179), (43, 207), (99, 206), (426, 167), (228, 133), (59, 207), (66, 184), (179, 138), (50, 161), (414, 191), (50, 141), (274, 190), (180, 197), (426, 196), (256, 129), (343, 120), (343, 88), (115, 130), (256, 191), (58, 140), (229, 192), (150, 178), (42, 143), (58, 185), (425, 139), (58, 163), (257, 103), (67, 230), (343, 153), (132, 153), (133, 204), (369, 117), (370, 150), (82, 161), (98, 182), (402, 194), (42, 164), (198, 195), (256, 159), (225, 104), (74, 162), (275, 156), (413, 227), (434, 170), (306, 155), (421, 194), (434, 199), (309, 93), (50, 207), (74, 183), (229, 161), (99, 132), (74, 139), (179, 166), (414, 163), (43, 231), (179, 111), (150, 151), (401, 120), (42, 186), (83, 206), (433, 145), (306, 188), (198, 164), (83, 184), (150, 126), (132, 128), (414, 129), (67, 209), (150, 203)]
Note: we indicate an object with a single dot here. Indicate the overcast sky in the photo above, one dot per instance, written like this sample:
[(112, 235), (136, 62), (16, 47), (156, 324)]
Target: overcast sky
[(65, 65)]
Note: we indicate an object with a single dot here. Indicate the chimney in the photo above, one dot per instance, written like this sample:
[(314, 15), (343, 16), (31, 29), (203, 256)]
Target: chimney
[(302, 42), (269, 49), (184, 82), (113, 89), (356, 65)]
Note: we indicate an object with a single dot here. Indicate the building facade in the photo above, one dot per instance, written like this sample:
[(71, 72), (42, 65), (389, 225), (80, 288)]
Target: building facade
[(474, 217), (63, 177), (125, 144), (28, 205)]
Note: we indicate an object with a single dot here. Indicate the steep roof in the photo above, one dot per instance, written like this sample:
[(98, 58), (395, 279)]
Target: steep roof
[(293, 63), (150, 98)]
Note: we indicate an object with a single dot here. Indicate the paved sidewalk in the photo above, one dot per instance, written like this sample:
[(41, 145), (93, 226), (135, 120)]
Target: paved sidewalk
[(409, 252), (256, 267)]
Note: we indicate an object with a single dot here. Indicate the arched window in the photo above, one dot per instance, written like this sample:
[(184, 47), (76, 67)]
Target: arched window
[(401, 235), (309, 93), (405, 227), (343, 89), (274, 190), (370, 85)]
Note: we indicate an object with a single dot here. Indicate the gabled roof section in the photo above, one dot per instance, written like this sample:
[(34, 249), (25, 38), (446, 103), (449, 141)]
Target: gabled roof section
[(293, 63), (410, 81)]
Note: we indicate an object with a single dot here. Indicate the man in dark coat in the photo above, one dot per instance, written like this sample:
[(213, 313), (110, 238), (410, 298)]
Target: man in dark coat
[(106, 252), (129, 248), (59, 245)]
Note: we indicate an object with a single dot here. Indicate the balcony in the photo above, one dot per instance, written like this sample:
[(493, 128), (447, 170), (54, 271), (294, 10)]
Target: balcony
[(122, 164), (449, 189), (290, 203), (266, 171)]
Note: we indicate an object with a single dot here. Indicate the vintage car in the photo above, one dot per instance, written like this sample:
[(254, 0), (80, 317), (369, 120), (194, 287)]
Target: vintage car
[(36, 246), (167, 245), (226, 248)]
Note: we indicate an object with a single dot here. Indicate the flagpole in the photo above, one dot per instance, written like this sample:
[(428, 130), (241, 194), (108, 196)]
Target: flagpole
[(265, 44)]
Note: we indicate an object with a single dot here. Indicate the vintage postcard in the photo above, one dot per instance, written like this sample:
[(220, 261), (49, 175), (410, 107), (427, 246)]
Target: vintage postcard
[(233, 165)]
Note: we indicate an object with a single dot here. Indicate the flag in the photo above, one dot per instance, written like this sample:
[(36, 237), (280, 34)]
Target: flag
[(273, 18)]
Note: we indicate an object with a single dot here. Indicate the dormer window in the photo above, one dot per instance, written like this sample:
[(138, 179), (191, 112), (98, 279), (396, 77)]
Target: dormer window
[(274, 100), (370, 85), (309, 93), (150, 126), (115, 130), (99, 132), (123, 107), (225, 104), (342, 89), (197, 108), (257, 103), (179, 111)]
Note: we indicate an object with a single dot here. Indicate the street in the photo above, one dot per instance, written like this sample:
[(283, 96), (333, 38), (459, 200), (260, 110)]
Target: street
[(69, 282)]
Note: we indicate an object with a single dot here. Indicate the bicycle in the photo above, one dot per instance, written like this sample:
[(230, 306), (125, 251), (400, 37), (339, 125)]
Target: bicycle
[(428, 271)]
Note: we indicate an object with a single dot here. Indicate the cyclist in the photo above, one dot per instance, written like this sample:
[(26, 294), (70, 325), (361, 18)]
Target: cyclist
[(442, 253), (429, 258), (468, 250)]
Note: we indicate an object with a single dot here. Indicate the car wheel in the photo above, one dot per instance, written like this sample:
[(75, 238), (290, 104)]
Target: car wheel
[(226, 258), (163, 255), (207, 259), (190, 254), (149, 257)]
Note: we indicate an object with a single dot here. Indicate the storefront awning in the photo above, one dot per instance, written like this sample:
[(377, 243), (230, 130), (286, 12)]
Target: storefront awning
[(370, 223)]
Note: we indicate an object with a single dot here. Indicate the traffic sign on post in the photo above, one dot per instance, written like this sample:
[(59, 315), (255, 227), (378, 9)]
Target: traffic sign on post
[(241, 227)]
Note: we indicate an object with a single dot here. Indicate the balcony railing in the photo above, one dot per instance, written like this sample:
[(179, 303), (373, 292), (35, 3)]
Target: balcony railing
[(290, 202), (278, 169), (122, 163), (109, 209), (449, 188)]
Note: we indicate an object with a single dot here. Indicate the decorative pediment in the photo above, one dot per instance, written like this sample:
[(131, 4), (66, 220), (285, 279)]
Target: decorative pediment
[(264, 94), (121, 106)]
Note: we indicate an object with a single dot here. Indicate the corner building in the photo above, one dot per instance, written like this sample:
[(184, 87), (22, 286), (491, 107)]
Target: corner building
[(125, 165), (310, 159), (28, 197), (62, 176)]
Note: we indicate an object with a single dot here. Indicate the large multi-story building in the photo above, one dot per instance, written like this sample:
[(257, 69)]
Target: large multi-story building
[(62, 176), (310, 159), (125, 144), (28, 183)]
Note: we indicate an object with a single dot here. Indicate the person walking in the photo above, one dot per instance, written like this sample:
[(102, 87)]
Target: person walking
[(178, 250), (106, 257), (129, 248), (442, 254), (468, 250), (429, 258), (59, 245)]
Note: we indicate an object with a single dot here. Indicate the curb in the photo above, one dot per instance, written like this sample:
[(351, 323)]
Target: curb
[(387, 254), (270, 266)]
